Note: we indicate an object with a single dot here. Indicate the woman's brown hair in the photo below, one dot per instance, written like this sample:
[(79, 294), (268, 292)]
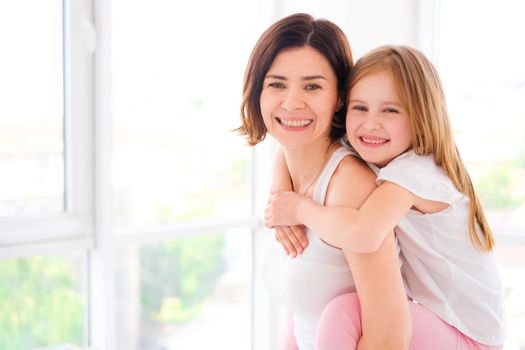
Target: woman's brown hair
[(297, 30)]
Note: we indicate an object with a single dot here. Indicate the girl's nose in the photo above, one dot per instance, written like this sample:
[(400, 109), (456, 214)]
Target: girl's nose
[(292, 101), (371, 123)]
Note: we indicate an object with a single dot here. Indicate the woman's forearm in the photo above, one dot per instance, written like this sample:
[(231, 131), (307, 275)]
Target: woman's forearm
[(281, 180)]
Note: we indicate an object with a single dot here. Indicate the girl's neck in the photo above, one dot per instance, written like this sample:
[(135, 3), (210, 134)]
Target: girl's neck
[(306, 164)]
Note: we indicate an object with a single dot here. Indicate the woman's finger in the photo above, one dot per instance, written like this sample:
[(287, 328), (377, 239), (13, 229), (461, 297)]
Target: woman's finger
[(300, 233), (285, 241)]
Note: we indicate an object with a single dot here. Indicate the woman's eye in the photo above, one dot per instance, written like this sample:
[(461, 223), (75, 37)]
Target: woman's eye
[(276, 85), (312, 87)]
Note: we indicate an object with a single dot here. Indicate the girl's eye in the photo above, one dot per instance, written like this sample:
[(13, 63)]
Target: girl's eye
[(312, 87), (276, 85), (390, 110), (359, 108)]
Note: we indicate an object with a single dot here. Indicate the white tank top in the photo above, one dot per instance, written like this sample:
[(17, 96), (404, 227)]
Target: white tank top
[(305, 284)]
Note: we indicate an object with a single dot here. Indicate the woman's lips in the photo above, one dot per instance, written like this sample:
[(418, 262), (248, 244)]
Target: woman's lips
[(294, 123)]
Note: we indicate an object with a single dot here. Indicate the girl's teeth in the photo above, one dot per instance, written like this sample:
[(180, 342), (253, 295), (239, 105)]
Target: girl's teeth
[(295, 123), (374, 141)]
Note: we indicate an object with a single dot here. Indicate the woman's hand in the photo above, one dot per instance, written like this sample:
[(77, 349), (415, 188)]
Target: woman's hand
[(281, 215), (292, 238)]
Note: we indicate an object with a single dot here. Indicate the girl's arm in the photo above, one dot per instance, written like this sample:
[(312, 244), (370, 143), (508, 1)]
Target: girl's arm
[(384, 307), (291, 237), (364, 229)]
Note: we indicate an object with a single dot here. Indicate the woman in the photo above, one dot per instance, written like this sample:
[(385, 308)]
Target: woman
[(294, 89)]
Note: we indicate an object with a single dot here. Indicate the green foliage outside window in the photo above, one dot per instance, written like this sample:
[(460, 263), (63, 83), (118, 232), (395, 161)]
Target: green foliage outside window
[(39, 303), (178, 276), (499, 187)]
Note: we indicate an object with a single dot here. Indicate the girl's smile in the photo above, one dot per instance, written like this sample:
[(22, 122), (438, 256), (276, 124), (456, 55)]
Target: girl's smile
[(377, 125)]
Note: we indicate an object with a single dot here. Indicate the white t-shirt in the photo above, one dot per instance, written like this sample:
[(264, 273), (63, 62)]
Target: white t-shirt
[(441, 267), (305, 284)]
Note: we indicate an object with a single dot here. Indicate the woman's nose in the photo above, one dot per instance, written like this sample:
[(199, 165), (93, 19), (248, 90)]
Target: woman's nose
[(293, 100)]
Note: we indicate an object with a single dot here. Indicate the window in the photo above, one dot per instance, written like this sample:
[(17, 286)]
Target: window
[(126, 201), (45, 163), (32, 147), (182, 201)]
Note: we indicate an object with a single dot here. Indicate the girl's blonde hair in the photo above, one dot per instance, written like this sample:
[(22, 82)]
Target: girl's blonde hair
[(421, 95)]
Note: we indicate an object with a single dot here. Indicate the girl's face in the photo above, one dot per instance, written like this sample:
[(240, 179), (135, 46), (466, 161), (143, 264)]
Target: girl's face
[(299, 97), (377, 125)]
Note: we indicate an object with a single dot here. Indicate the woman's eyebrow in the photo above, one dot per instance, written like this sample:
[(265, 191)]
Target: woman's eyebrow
[(313, 77), (308, 77), (272, 76)]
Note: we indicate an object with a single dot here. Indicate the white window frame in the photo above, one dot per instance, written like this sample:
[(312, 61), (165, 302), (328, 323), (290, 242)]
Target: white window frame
[(72, 229)]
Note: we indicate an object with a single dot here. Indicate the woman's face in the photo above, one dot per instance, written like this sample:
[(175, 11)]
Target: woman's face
[(299, 97)]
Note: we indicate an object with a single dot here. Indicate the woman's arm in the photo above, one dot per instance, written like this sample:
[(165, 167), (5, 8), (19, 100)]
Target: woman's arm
[(292, 237), (384, 306)]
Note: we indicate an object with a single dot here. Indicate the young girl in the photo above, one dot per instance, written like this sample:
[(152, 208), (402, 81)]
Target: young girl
[(397, 121)]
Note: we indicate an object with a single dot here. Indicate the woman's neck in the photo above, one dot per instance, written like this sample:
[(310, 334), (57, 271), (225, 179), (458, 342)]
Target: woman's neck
[(306, 164)]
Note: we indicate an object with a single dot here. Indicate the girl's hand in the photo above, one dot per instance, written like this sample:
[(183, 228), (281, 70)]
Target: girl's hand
[(282, 209), (292, 238)]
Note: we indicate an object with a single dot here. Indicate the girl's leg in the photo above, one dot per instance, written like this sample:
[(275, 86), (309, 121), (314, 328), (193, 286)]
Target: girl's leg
[(288, 341)]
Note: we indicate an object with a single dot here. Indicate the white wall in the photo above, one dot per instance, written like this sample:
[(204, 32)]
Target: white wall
[(367, 23)]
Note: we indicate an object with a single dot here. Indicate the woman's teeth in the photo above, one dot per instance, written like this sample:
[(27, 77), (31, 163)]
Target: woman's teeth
[(295, 123)]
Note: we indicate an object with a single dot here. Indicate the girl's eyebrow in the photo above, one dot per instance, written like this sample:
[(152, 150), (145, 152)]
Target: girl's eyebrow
[(306, 78), (356, 100), (391, 103)]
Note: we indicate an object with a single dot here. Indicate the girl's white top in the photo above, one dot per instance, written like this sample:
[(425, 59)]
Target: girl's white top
[(305, 284), (442, 269)]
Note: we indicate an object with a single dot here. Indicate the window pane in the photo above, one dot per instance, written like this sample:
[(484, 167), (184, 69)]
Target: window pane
[(189, 293), (31, 112), (42, 299), (512, 269), (484, 77), (177, 84)]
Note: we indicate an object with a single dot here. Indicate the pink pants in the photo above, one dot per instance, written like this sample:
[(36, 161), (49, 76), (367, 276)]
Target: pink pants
[(340, 328)]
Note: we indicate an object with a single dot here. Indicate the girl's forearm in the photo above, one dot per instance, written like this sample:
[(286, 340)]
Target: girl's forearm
[(338, 226)]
